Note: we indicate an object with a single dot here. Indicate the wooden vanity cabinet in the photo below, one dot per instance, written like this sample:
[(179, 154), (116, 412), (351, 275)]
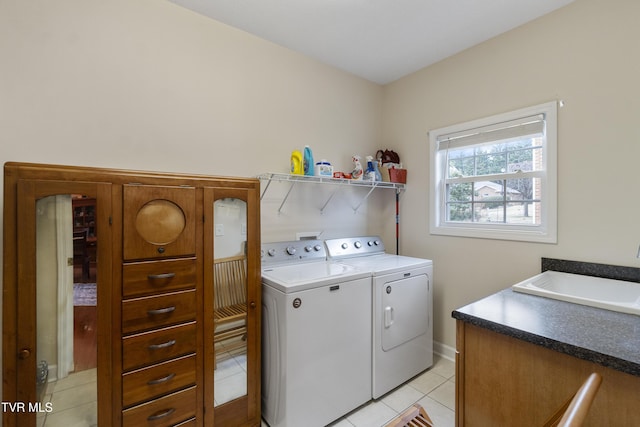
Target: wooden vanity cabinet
[(155, 293), (504, 381)]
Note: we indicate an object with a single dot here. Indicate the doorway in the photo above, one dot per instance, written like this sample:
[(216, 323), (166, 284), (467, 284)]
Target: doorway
[(85, 243)]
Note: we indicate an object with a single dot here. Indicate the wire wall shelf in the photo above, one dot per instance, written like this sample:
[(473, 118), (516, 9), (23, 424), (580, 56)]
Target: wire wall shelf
[(338, 182)]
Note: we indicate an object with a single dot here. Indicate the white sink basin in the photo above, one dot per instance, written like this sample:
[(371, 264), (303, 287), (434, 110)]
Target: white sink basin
[(616, 295)]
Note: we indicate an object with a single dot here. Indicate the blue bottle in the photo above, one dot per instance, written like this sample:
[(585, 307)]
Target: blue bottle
[(376, 171), (372, 173), (308, 163)]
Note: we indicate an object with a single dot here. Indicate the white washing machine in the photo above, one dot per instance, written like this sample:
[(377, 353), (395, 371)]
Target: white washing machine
[(402, 304), (316, 342)]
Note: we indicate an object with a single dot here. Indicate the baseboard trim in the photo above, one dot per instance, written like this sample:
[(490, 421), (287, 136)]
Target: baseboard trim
[(445, 351)]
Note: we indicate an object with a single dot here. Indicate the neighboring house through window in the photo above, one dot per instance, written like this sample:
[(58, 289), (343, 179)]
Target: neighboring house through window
[(495, 177)]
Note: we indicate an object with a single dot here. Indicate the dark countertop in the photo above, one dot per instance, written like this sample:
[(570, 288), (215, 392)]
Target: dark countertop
[(601, 336)]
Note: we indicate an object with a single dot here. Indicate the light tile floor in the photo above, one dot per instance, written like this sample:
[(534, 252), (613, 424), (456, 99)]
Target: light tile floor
[(73, 400), (230, 377), (434, 389)]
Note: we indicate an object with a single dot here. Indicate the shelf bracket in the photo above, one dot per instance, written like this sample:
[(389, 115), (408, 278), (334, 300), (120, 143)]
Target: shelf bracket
[(373, 187), (266, 187), (293, 183), (329, 199)]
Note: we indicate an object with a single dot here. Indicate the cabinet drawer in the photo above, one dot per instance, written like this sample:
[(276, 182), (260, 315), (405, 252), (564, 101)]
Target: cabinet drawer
[(144, 278), (166, 411), (151, 347), (147, 383), (156, 311)]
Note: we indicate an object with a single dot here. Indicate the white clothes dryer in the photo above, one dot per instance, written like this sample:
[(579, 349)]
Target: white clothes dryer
[(402, 304), (316, 335)]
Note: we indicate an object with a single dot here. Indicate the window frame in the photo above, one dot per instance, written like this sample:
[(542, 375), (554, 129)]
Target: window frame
[(546, 231)]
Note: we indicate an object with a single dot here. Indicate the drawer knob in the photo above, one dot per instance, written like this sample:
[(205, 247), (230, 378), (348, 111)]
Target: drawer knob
[(161, 380), (24, 353), (161, 311), (161, 414), (163, 345)]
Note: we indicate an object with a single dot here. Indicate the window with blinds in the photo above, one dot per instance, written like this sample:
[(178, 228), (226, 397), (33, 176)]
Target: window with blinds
[(496, 177)]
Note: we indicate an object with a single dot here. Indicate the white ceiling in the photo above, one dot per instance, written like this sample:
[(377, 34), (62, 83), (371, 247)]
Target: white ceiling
[(379, 40)]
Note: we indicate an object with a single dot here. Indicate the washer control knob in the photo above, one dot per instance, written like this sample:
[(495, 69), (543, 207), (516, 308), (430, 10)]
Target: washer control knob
[(317, 248), (271, 252), (370, 243), (308, 248), (357, 244), (291, 250), (344, 246), (376, 242)]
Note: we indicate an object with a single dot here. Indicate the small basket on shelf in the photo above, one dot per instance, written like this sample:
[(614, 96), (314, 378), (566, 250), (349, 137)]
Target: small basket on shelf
[(397, 175)]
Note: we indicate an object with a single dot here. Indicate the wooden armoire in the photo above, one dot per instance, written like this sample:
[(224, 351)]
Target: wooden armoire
[(173, 253)]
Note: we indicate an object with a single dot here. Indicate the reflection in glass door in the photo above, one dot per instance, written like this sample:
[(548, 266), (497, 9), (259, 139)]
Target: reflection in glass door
[(230, 295), (66, 307)]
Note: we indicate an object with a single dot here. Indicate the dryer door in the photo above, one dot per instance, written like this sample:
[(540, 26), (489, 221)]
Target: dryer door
[(405, 311)]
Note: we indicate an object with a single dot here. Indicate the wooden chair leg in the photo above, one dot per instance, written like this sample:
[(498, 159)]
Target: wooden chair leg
[(415, 416)]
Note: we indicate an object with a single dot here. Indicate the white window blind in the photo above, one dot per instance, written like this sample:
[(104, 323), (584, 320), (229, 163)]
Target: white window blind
[(526, 127)]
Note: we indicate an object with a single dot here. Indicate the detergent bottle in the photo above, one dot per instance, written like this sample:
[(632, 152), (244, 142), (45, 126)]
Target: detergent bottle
[(308, 161), (370, 174), (296, 163), (376, 171)]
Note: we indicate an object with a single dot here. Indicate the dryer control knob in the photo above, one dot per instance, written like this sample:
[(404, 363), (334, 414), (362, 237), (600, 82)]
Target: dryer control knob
[(376, 242), (317, 248), (357, 244), (308, 248), (291, 250), (271, 252), (344, 246), (371, 243)]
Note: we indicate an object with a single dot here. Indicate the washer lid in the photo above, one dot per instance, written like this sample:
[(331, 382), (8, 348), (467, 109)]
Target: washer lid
[(386, 263), (301, 276)]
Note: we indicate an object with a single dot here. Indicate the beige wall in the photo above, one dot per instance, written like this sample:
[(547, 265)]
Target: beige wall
[(152, 86), (585, 54)]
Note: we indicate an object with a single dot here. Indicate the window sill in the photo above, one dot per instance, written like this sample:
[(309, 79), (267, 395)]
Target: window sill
[(535, 235)]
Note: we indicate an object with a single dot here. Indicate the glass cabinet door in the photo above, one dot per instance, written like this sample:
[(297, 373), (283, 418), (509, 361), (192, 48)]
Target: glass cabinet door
[(232, 305), (63, 345)]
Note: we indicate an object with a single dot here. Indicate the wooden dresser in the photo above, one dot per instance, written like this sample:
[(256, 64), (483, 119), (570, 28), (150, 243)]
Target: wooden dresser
[(159, 345)]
